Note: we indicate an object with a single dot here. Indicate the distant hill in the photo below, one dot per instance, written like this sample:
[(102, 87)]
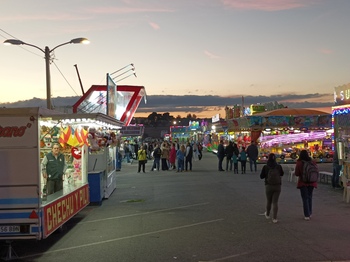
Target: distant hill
[(57, 102)]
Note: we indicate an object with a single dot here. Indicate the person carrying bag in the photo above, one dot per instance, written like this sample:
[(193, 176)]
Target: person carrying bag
[(272, 173)]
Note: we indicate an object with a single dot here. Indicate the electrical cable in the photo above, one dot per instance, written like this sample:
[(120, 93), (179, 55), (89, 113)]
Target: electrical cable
[(22, 47), (65, 78), (52, 59)]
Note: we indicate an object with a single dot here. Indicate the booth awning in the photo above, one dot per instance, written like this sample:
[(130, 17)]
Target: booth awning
[(95, 101)]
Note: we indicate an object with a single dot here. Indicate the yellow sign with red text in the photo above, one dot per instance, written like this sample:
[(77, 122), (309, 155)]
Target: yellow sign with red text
[(60, 211)]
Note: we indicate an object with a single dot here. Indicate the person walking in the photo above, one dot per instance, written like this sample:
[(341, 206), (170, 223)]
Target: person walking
[(172, 156), (136, 149), (272, 173), (142, 158), (221, 154), (306, 189), (229, 153), (188, 157), (156, 157), (150, 150), (200, 149), (195, 151), (180, 155), (336, 170), (235, 158), (165, 156), (253, 154), (127, 152), (243, 158)]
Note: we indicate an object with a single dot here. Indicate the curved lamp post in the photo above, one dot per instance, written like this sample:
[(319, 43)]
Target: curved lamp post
[(47, 53)]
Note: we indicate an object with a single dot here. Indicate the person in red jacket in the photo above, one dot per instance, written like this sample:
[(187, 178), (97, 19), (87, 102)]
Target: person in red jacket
[(306, 189)]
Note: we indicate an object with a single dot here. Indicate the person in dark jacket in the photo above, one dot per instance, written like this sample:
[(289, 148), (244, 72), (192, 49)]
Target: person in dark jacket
[(235, 158), (53, 168), (243, 158), (221, 154), (253, 154), (272, 190), (229, 153), (157, 152), (336, 170), (188, 157), (306, 189)]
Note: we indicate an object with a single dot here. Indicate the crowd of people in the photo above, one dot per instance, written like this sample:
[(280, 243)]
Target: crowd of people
[(166, 155), (234, 155)]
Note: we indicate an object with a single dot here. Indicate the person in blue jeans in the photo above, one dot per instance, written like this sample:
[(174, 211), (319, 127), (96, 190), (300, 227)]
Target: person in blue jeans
[(243, 159), (180, 155), (306, 189), (221, 154), (253, 154), (336, 170), (127, 152), (157, 152)]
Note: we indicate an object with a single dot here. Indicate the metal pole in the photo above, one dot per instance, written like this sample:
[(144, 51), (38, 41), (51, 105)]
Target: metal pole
[(48, 77), (81, 84)]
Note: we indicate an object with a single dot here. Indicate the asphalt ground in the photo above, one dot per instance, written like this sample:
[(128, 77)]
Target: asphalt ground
[(203, 215)]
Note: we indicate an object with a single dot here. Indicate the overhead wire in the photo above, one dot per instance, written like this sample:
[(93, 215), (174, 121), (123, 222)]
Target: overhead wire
[(20, 46), (65, 78), (28, 50)]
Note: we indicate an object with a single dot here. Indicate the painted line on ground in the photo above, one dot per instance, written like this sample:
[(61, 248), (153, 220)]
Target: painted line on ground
[(124, 238), (228, 257), (144, 213)]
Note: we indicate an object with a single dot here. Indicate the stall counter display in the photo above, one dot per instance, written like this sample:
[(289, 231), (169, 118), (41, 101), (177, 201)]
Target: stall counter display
[(104, 160), (96, 182)]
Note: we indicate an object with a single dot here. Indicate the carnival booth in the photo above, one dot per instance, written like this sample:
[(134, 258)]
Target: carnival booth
[(285, 131), (26, 136), (88, 139), (119, 103), (193, 132), (341, 139)]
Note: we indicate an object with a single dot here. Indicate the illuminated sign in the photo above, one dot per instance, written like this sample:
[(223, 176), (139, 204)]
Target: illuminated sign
[(215, 118), (60, 211), (132, 130), (342, 95), (256, 108), (111, 97)]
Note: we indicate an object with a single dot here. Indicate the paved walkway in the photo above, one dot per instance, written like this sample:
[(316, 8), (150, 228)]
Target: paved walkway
[(203, 215)]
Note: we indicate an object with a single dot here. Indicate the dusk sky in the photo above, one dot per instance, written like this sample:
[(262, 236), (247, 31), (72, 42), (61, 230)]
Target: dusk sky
[(293, 50)]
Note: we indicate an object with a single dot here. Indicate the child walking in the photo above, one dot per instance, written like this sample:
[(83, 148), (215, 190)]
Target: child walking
[(243, 158), (235, 163)]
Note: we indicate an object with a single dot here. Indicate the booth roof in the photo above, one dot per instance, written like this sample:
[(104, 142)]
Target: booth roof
[(292, 112)]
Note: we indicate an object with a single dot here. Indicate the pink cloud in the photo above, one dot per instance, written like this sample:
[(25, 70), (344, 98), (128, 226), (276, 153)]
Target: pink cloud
[(51, 17), (154, 25), (210, 55), (326, 51), (126, 10), (266, 5)]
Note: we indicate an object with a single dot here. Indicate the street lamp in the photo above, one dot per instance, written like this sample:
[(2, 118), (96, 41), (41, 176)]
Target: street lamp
[(47, 53)]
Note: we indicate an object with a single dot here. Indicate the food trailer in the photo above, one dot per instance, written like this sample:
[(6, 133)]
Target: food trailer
[(26, 136)]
